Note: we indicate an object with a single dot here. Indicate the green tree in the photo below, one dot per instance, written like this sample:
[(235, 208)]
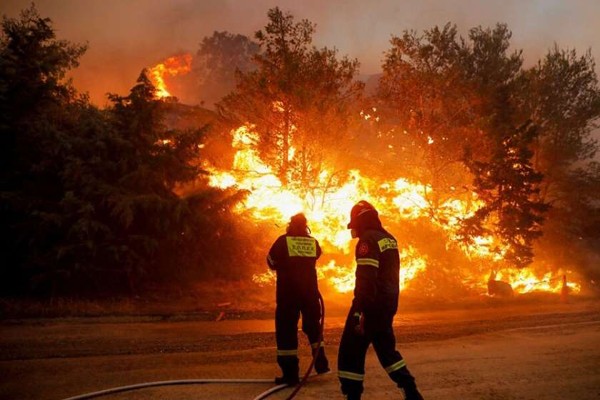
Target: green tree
[(89, 199), (120, 184), (34, 98)]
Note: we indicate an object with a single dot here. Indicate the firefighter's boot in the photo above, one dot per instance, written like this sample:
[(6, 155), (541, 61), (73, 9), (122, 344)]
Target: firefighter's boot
[(406, 382), (321, 363), (352, 390), (412, 393), (289, 368)]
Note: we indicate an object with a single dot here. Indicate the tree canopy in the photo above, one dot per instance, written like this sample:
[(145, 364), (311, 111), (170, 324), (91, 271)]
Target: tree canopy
[(217, 61), (116, 199), (88, 201), (472, 117), (298, 97)]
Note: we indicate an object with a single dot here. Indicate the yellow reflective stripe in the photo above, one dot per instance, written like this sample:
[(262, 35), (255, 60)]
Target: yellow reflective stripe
[(351, 375), (368, 261), (287, 352), (395, 366), (387, 244), (301, 246), (317, 344)]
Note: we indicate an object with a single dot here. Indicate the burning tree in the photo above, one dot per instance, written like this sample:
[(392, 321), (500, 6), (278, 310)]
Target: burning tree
[(504, 176), (427, 105), (508, 186), (453, 95), (94, 197), (298, 100), (439, 95)]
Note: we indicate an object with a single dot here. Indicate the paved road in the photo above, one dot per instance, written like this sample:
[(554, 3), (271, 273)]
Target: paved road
[(537, 351)]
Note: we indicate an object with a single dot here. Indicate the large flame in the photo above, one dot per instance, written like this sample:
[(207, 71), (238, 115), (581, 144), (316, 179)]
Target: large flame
[(328, 214), (172, 66)]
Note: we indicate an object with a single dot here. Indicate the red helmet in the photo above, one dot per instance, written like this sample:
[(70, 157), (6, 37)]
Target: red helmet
[(359, 209)]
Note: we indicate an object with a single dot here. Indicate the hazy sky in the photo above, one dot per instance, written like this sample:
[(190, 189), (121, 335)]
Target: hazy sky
[(125, 36)]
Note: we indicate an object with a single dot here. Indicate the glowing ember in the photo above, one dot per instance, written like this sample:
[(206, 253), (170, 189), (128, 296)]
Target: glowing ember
[(400, 200), (172, 66)]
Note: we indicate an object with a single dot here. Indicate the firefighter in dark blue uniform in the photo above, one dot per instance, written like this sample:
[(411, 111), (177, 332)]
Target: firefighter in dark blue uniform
[(373, 308), (293, 257)]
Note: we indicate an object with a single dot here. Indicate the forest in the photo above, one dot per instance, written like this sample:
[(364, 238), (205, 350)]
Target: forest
[(478, 164)]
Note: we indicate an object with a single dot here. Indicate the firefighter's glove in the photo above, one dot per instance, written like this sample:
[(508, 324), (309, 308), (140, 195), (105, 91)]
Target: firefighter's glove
[(359, 323)]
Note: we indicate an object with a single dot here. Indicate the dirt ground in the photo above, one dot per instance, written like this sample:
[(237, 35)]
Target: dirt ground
[(511, 351)]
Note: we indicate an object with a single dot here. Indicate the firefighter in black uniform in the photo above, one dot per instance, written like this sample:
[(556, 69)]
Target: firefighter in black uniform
[(373, 308), (293, 257)]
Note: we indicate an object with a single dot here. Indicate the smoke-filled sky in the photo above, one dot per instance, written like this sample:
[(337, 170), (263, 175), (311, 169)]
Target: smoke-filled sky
[(124, 36)]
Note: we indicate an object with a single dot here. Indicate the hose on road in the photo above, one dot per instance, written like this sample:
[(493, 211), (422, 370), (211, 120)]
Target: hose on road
[(164, 383), (261, 396)]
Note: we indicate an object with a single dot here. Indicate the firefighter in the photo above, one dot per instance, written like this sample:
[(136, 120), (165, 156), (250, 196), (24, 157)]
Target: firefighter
[(373, 308), (293, 257)]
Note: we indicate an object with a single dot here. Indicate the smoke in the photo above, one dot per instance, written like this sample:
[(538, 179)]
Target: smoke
[(126, 36)]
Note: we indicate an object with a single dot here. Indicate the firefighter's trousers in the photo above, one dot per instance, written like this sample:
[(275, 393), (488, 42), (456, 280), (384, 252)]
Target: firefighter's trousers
[(353, 350), (287, 315)]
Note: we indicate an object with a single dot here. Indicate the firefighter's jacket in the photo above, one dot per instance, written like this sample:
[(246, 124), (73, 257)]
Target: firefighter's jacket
[(377, 275), (294, 259)]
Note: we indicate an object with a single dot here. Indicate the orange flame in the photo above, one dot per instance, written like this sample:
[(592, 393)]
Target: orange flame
[(403, 199), (172, 66)]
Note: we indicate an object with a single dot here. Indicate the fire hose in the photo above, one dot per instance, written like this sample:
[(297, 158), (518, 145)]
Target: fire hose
[(261, 396), (164, 383)]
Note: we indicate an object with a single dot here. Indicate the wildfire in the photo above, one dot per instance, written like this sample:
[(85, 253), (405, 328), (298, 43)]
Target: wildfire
[(172, 66), (328, 210)]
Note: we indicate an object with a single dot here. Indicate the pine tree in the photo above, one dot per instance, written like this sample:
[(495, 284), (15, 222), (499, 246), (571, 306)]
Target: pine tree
[(509, 187)]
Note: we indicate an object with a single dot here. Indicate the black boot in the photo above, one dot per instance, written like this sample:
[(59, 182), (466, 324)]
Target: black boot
[(352, 390), (412, 394), (406, 382), (290, 369), (321, 363)]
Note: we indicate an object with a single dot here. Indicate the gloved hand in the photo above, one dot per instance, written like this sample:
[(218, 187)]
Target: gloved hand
[(359, 323)]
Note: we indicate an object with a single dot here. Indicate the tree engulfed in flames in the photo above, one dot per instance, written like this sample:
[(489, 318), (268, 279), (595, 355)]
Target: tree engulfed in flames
[(172, 66), (328, 213)]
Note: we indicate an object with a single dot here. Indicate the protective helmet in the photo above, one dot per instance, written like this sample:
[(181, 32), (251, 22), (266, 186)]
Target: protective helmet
[(297, 224), (359, 209), (298, 220)]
